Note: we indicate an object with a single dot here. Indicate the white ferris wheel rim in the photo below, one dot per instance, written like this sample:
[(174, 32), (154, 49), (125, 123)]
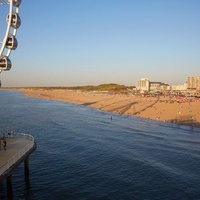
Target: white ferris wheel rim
[(13, 9), (8, 29)]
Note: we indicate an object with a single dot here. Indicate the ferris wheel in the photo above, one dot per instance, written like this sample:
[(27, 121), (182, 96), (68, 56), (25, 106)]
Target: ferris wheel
[(8, 41)]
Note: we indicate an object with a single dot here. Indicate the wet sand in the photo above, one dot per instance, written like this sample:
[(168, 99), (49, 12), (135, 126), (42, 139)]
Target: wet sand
[(167, 109)]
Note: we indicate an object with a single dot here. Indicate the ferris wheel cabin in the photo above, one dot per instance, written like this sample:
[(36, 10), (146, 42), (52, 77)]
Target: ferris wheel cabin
[(15, 21), (5, 63), (11, 42)]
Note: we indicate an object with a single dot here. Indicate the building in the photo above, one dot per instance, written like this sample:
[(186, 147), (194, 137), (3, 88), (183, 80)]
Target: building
[(193, 83), (179, 87), (155, 86), (191, 87), (159, 87), (143, 85), (165, 87)]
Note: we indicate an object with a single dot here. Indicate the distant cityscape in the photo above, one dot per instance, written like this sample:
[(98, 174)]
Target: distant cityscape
[(191, 87)]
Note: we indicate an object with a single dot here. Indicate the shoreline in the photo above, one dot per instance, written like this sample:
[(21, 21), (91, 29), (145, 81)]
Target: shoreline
[(181, 111)]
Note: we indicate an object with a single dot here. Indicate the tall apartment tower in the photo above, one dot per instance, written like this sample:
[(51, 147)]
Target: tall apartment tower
[(193, 83), (143, 84)]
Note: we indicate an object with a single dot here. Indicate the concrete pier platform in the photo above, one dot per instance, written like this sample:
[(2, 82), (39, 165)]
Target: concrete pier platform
[(18, 148)]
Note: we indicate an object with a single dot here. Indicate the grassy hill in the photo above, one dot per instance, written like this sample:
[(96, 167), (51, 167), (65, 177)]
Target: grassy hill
[(112, 87)]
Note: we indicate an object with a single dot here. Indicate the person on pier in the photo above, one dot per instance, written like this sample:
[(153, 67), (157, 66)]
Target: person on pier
[(4, 144)]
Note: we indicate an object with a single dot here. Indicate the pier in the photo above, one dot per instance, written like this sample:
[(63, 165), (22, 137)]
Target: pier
[(18, 149)]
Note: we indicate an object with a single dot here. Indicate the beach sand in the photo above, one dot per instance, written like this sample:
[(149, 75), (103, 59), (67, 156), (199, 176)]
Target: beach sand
[(166, 109)]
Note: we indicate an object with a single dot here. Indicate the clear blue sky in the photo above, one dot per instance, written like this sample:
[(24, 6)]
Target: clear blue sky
[(90, 42)]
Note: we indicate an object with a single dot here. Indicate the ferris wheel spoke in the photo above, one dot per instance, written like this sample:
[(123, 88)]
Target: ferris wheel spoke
[(2, 2)]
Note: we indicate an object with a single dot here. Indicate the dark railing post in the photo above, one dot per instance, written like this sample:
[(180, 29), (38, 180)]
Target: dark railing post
[(26, 169), (9, 188)]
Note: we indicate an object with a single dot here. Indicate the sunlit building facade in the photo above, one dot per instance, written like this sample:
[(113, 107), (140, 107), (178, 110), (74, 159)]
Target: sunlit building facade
[(193, 83), (179, 87), (191, 87), (143, 85)]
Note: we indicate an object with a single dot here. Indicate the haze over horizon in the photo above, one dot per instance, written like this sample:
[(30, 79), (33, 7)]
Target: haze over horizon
[(92, 42)]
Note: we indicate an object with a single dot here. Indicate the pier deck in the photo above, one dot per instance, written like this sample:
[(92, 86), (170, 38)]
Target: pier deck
[(17, 149)]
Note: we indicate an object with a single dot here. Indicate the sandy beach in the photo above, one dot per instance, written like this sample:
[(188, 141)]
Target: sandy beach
[(167, 109)]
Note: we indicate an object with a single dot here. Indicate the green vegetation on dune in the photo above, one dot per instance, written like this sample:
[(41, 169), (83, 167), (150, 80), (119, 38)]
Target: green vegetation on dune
[(112, 87), (104, 87)]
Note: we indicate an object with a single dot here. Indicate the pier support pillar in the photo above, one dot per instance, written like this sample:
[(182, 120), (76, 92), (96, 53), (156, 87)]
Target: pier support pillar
[(26, 169), (9, 188)]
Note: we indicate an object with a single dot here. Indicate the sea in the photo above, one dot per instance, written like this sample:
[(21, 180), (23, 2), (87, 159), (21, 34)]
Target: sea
[(88, 154)]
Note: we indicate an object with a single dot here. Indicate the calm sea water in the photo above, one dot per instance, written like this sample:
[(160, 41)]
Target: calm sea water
[(82, 154)]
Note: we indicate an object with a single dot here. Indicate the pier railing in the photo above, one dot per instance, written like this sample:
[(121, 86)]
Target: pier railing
[(20, 153), (22, 135)]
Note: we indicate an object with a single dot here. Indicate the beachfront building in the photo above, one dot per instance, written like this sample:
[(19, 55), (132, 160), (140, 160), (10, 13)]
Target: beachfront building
[(159, 87), (193, 83), (191, 87), (143, 85), (179, 87), (154, 86), (165, 87)]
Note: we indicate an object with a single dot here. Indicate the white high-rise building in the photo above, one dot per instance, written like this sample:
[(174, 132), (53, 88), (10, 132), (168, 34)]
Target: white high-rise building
[(143, 85)]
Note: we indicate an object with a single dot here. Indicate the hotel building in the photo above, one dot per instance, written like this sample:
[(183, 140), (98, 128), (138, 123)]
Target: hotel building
[(143, 85), (193, 83)]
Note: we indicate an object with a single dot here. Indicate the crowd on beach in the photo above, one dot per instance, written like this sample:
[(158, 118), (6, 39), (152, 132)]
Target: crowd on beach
[(181, 109), (170, 108)]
